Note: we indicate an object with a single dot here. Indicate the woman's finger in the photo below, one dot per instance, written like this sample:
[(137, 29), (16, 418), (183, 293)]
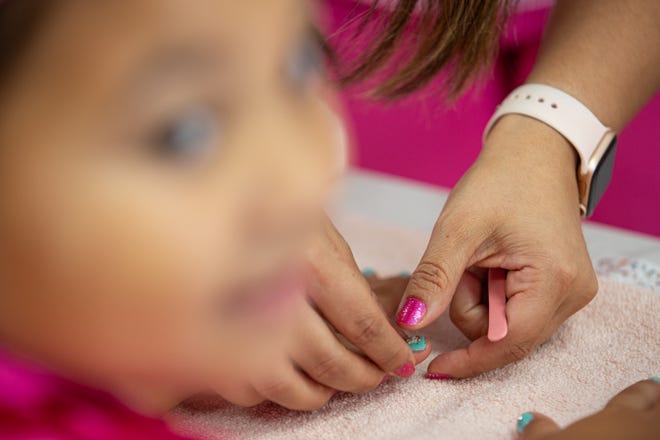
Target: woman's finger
[(389, 292), (530, 323), (345, 299), (453, 243), (241, 395), (467, 309), (324, 359), (292, 389), (535, 426)]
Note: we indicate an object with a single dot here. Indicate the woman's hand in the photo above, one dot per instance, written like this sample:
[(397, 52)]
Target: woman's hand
[(516, 208), (343, 338), (632, 414), (345, 298)]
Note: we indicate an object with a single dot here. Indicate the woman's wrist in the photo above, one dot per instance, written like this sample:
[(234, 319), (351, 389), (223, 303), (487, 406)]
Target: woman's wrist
[(531, 145)]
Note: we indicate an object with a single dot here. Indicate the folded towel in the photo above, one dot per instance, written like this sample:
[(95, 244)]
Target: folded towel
[(612, 343)]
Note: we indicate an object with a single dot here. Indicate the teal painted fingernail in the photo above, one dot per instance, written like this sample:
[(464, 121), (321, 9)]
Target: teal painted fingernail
[(367, 272), (416, 343), (524, 420), (404, 273), (656, 378)]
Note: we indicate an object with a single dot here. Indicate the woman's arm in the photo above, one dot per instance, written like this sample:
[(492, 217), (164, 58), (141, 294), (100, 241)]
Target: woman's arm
[(516, 207), (606, 53)]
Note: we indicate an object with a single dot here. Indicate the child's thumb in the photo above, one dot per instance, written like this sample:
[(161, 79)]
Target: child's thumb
[(535, 426)]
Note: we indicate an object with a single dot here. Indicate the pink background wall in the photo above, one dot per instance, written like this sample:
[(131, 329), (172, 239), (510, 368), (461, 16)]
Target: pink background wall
[(425, 140)]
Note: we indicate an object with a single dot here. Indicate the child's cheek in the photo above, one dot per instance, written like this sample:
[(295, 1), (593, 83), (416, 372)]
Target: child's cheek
[(123, 270)]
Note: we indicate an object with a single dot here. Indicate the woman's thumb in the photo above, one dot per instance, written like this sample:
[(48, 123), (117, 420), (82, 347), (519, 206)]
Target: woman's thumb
[(433, 283)]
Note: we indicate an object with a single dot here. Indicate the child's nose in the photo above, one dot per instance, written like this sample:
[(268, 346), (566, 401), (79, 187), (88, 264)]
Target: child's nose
[(300, 155)]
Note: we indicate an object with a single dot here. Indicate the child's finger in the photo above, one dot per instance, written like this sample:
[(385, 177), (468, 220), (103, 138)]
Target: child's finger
[(533, 426), (467, 310), (420, 346), (370, 274), (640, 396), (389, 292)]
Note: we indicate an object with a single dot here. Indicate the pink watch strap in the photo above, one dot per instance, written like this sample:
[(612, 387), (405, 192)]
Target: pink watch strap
[(561, 111), (497, 325)]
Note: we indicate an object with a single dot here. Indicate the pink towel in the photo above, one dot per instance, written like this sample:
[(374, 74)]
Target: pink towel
[(612, 343)]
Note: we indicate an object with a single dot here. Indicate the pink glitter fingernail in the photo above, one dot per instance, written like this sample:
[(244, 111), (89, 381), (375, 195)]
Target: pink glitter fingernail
[(407, 370), (411, 312), (438, 376)]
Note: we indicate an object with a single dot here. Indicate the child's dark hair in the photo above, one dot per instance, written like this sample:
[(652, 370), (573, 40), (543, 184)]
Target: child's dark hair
[(19, 24), (418, 38), (461, 35)]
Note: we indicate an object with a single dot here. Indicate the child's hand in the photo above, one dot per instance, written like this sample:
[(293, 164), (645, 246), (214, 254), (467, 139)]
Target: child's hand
[(634, 413)]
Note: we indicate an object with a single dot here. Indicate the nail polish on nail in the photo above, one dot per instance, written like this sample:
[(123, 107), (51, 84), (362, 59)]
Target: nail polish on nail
[(438, 376), (367, 272), (385, 379), (416, 343), (412, 311), (406, 371), (404, 273), (523, 421), (656, 378)]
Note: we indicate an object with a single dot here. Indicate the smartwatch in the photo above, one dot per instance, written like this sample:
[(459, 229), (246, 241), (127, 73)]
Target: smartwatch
[(594, 142)]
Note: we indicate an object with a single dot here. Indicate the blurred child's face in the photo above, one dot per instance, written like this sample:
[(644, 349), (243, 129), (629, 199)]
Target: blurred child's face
[(161, 163)]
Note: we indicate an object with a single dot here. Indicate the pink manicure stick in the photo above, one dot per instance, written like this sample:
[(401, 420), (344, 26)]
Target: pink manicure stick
[(497, 326)]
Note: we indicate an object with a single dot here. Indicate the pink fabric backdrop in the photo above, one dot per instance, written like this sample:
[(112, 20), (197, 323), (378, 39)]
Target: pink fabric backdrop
[(425, 140)]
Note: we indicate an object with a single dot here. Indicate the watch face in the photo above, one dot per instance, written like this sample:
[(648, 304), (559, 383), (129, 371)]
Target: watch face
[(601, 176)]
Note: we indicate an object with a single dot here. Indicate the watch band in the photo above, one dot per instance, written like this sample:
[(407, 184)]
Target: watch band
[(559, 110)]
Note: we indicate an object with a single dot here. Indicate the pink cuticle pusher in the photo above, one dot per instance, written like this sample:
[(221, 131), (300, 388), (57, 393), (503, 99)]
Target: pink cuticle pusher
[(497, 325)]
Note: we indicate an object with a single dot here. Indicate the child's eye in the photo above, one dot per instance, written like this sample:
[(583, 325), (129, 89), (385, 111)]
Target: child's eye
[(190, 136), (304, 64)]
